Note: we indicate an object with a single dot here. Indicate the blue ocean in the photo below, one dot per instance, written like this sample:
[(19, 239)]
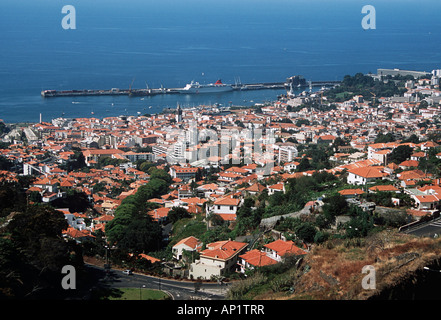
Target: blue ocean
[(170, 43)]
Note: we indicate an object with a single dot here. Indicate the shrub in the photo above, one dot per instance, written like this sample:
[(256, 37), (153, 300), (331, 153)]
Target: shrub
[(239, 289)]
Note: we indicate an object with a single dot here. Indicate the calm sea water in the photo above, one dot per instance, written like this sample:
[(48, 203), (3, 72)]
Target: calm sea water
[(172, 42)]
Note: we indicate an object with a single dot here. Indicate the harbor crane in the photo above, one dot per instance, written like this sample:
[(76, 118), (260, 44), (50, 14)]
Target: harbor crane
[(130, 88)]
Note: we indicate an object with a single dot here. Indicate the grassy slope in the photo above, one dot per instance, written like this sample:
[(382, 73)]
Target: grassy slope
[(333, 271), (140, 294)]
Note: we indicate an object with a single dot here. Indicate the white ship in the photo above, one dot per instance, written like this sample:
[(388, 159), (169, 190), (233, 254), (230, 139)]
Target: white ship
[(196, 87)]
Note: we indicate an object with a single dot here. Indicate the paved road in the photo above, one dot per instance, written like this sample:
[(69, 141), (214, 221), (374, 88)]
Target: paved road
[(429, 229), (179, 290)]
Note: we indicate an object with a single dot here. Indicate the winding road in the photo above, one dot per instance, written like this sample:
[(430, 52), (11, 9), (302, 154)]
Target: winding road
[(178, 290)]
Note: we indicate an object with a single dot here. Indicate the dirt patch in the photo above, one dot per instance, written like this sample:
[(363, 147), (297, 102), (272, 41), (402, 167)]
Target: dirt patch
[(331, 272)]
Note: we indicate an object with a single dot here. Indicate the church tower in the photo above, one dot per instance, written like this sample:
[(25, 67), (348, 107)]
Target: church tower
[(178, 114)]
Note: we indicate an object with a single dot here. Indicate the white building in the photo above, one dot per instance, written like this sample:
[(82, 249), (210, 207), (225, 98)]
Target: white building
[(225, 207), (287, 153), (73, 221), (219, 258), (364, 175), (188, 244)]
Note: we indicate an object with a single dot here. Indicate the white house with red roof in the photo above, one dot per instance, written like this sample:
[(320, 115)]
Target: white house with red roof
[(206, 190), (46, 184), (290, 166), (187, 244), (273, 252), (364, 175), (254, 258), (93, 155), (278, 187), (351, 193), (426, 202), (225, 207), (217, 259), (184, 173), (280, 248), (384, 188)]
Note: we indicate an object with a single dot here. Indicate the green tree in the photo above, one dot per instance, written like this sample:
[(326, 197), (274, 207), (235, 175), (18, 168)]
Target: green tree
[(300, 122), (142, 235), (306, 231), (412, 138), (146, 165), (304, 165), (384, 138), (400, 154), (360, 224), (37, 252), (12, 198), (5, 164), (156, 173), (122, 230), (77, 161), (35, 196), (334, 206), (178, 213), (75, 201)]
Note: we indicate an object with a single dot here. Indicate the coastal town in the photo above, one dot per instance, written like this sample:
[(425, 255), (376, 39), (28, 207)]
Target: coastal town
[(233, 189)]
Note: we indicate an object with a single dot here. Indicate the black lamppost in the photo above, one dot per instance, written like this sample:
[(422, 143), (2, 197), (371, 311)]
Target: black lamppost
[(143, 286), (107, 265)]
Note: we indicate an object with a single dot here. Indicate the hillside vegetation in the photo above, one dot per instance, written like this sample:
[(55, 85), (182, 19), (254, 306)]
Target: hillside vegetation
[(333, 269)]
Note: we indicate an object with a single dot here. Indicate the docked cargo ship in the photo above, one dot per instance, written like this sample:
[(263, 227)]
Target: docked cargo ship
[(196, 87)]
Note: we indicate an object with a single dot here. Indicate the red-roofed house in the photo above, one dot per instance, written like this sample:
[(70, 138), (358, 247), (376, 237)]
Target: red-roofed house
[(279, 248), (183, 173), (255, 258), (255, 188), (188, 244), (104, 218), (290, 166), (426, 202), (364, 175), (78, 235), (47, 184), (407, 164), (278, 187), (148, 258), (226, 207), (93, 155), (218, 258), (384, 188), (417, 156), (329, 139), (351, 193), (159, 214)]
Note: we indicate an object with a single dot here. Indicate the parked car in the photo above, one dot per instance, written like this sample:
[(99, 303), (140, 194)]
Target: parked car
[(128, 272)]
